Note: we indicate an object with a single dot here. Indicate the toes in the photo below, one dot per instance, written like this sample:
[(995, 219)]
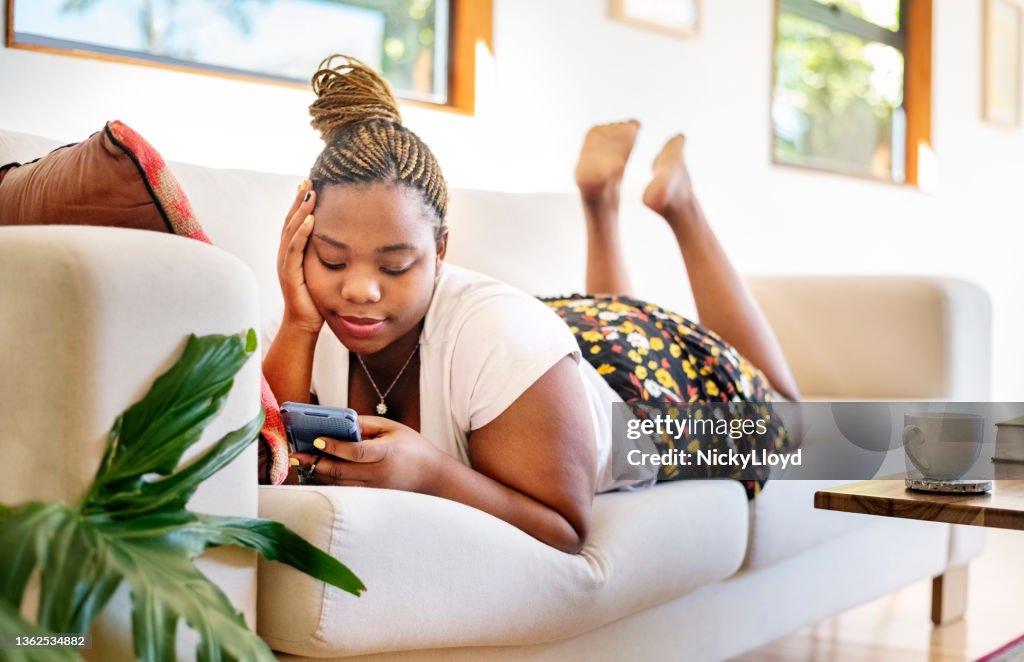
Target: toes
[(674, 149), (600, 128)]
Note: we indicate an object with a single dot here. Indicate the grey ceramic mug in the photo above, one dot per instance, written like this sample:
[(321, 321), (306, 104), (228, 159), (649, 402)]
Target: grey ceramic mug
[(942, 445)]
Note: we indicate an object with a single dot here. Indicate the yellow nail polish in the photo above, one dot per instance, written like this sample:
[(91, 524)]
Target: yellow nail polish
[(302, 184), (294, 461), (309, 219), (320, 443)]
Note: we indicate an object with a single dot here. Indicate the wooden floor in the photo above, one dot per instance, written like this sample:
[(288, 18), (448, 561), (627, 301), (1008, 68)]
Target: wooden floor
[(897, 628)]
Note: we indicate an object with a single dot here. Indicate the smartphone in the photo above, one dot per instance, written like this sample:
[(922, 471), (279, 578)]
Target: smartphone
[(304, 423)]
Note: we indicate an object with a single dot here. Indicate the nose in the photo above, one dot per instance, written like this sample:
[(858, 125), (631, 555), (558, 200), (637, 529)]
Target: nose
[(361, 289)]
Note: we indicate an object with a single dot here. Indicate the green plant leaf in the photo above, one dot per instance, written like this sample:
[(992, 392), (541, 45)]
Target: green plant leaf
[(76, 577), (24, 533), (166, 587), (11, 621), (276, 542), (134, 528), (175, 490), (154, 433), (88, 558)]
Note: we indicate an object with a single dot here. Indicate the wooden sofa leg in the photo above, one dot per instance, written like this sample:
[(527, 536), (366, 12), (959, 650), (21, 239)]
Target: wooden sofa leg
[(949, 595)]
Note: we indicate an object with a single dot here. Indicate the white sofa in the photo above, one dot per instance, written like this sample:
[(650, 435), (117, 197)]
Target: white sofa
[(687, 571)]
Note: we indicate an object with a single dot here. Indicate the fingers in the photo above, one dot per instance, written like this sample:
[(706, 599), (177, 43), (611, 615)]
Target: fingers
[(300, 308), (293, 242), (301, 209), (296, 248), (293, 471), (373, 426), (359, 451), (328, 471), (339, 472), (303, 196)]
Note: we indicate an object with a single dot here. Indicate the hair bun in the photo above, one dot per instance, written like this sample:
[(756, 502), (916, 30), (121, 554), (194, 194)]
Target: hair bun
[(349, 92)]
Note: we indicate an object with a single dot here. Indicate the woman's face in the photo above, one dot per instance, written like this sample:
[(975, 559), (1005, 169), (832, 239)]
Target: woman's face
[(370, 263)]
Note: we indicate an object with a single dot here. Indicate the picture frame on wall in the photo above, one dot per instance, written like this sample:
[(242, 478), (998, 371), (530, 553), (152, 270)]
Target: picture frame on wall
[(676, 18), (1001, 62)]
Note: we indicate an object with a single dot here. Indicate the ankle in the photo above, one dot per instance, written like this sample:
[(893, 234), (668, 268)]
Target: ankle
[(600, 199), (685, 218)]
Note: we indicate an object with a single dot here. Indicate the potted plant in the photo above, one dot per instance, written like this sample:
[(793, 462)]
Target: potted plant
[(132, 528)]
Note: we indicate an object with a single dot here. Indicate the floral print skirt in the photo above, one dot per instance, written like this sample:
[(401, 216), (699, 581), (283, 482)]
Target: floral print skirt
[(659, 362)]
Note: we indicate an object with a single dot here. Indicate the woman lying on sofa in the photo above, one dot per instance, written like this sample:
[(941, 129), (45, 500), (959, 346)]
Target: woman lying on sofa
[(486, 395)]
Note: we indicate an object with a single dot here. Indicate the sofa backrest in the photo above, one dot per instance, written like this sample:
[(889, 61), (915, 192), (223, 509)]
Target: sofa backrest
[(846, 337), (243, 213), (882, 337)]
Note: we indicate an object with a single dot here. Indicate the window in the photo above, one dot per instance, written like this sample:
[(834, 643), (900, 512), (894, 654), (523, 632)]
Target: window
[(419, 45), (851, 90)]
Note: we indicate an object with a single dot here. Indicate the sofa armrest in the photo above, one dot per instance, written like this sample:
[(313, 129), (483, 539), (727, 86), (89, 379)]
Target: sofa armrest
[(881, 337), (91, 316)]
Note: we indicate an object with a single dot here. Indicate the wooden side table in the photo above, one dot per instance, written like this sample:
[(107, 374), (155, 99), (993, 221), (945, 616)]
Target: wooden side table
[(1002, 508)]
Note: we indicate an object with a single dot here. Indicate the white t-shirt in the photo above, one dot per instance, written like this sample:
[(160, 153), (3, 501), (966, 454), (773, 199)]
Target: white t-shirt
[(483, 344)]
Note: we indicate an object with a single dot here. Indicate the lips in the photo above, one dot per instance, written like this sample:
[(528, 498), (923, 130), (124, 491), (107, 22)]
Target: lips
[(361, 327)]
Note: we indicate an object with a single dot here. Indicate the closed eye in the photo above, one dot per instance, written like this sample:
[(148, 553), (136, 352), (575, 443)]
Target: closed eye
[(332, 266), (395, 272)]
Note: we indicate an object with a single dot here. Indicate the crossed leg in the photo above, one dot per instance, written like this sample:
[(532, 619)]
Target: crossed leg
[(724, 304)]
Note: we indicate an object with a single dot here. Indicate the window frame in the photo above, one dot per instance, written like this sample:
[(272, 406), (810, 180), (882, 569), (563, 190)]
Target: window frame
[(913, 39), (470, 26)]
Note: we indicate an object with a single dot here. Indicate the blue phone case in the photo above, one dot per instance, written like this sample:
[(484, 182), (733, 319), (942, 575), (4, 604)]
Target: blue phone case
[(304, 423)]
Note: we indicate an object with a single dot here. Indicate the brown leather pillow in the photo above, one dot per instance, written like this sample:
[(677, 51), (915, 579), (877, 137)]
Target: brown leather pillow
[(105, 180)]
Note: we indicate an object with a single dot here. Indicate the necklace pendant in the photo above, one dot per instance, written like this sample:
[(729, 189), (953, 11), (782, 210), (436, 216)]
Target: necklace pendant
[(381, 407)]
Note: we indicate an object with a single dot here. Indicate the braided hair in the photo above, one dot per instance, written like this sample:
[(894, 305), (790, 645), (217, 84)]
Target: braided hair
[(357, 117)]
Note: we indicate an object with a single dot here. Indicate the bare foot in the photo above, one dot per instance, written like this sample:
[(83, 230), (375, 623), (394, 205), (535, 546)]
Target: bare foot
[(670, 192), (603, 158)]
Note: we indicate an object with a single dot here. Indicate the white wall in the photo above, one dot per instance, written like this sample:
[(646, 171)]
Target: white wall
[(560, 66)]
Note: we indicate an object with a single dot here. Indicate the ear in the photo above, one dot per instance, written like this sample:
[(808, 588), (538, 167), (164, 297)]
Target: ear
[(442, 246)]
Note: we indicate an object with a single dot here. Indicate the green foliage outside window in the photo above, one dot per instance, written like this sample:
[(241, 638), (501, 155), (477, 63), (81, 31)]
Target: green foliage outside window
[(410, 34), (884, 13), (837, 101), (277, 39)]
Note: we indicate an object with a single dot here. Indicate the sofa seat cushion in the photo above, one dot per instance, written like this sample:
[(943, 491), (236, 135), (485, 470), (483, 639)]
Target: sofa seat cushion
[(441, 574), (784, 522)]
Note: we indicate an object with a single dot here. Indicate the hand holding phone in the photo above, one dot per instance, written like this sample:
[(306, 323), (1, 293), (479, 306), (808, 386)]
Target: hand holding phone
[(304, 423)]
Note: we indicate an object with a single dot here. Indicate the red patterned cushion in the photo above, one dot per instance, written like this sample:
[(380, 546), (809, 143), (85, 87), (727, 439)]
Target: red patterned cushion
[(160, 182)]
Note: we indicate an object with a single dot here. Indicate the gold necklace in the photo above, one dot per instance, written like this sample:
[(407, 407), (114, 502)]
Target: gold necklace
[(381, 407)]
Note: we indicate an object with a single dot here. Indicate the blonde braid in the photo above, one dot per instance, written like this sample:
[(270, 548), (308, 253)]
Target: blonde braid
[(357, 116)]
